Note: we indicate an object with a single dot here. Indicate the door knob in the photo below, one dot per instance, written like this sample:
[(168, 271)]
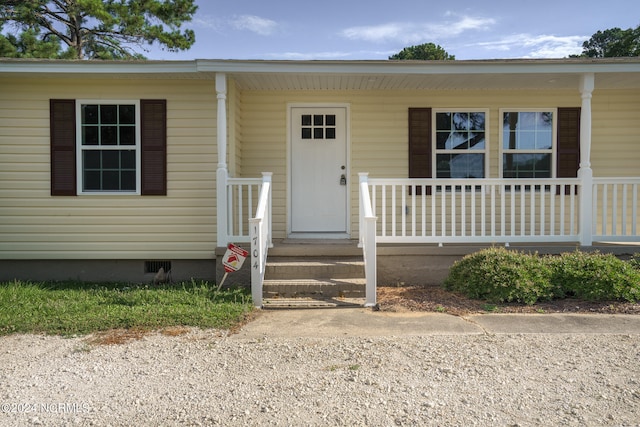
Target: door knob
[(343, 180)]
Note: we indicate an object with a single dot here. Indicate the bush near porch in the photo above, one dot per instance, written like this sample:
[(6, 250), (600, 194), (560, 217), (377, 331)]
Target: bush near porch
[(499, 275)]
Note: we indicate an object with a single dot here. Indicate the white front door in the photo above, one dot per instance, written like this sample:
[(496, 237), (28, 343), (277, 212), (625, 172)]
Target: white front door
[(319, 170)]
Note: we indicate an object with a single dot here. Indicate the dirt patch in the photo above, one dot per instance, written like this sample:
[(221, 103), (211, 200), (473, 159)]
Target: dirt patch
[(436, 299), (117, 336), (174, 331)]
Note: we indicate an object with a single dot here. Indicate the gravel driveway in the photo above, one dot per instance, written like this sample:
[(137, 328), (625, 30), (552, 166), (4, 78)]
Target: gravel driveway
[(208, 377)]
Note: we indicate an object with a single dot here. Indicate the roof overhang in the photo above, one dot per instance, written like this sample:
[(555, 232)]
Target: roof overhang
[(610, 73)]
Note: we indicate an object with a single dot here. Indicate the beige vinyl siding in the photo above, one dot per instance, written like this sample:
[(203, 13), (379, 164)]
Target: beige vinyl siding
[(264, 146), (35, 225), (379, 131), (615, 150), (181, 225)]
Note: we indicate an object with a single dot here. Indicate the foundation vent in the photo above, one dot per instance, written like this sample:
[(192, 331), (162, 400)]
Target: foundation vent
[(154, 266)]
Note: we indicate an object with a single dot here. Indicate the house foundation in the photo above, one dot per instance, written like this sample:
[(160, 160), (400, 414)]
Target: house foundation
[(397, 265), (131, 271)]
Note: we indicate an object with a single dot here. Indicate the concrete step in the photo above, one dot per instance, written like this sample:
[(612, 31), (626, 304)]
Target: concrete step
[(289, 268), (316, 288), (315, 248), (298, 303)]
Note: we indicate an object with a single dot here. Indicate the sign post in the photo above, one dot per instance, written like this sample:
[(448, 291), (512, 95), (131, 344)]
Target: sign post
[(232, 260)]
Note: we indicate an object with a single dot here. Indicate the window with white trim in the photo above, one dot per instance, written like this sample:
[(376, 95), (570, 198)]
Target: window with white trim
[(528, 143), (108, 156), (460, 149)]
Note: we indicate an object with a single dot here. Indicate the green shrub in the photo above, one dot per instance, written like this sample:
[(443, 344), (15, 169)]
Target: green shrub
[(595, 277), (635, 262), (500, 275)]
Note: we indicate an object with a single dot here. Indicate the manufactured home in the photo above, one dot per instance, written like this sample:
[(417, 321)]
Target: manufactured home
[(111, 170)]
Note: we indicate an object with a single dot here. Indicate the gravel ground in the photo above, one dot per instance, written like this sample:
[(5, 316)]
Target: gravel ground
[(212, 378)]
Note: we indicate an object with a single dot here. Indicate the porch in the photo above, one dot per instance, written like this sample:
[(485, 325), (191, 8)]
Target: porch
[(412, 230), (406, 221)]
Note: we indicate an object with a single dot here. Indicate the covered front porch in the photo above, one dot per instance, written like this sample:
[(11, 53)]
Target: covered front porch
[(430, 219)]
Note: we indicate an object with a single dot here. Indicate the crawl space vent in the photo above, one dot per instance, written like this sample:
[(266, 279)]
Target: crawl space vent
[(154, 266)]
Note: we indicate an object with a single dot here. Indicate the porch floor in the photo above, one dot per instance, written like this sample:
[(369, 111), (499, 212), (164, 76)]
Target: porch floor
[(349, 247)]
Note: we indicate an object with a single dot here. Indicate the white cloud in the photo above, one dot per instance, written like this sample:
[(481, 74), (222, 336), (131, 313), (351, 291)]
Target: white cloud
[(537, 46), (377, 33), (256, 24), (412, 32), (465, 23), (208, 21)]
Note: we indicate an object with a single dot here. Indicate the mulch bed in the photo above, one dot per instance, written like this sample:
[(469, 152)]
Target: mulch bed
[(436, 299)]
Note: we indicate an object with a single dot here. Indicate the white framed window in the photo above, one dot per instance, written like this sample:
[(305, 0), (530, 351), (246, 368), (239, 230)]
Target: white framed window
[(460, 143), (528, 143), (108, 147)]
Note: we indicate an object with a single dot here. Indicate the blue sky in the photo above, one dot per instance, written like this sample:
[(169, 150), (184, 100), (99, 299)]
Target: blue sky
[(375, 29)]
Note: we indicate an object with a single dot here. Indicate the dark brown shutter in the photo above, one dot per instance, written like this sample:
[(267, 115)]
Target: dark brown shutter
[(153, 131), (420, 144), (62, 117), (568, 157)]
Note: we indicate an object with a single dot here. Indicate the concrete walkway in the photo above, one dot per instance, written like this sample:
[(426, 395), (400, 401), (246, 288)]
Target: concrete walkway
[(361, 322)]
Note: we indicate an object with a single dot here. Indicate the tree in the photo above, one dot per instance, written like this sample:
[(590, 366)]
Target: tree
[(28, 45), (426, 51), (95, 29), (613, 42)]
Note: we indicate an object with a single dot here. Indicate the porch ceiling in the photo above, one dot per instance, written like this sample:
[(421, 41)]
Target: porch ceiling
[(610, 73), (616, 73), (330, 82)]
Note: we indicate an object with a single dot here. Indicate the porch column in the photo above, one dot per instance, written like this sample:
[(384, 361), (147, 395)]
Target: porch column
[(222, 172), (585, 173)]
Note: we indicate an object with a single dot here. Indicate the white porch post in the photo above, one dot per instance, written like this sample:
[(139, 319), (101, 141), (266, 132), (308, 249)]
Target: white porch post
[(222, 172), (363, 178), (585, 173)]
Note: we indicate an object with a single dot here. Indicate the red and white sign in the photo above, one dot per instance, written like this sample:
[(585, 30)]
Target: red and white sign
[(233, 258)]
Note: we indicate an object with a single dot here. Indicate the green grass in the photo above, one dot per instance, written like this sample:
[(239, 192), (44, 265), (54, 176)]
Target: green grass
[(76, 308)]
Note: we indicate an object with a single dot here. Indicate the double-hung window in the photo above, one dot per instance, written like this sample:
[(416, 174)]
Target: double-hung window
[(534, 143), (460, 149), (108, 157), (108, 147), (528, 141)]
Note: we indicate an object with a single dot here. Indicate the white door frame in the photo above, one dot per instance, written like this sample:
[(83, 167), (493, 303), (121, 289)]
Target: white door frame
[(347, 107)]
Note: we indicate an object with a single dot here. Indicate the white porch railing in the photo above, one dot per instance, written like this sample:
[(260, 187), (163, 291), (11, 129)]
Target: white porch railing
[(615, 209), (495, 211), (241, 202), (368, 241), (243, 198), (260, 235), (475, 211)]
